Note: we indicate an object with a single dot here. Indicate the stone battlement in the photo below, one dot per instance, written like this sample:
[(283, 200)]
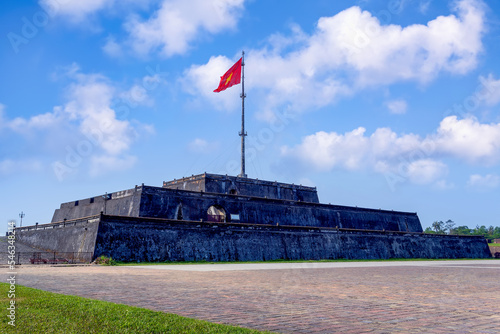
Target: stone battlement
[(226, 218), (232, 185), (177, 204), (155, 239)]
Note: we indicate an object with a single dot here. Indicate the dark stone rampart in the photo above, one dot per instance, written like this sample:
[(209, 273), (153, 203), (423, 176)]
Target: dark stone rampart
[(71, 236), (225, 184), (224, 218), (143, 239), (156, 202), (167, 203), (153, 239), (121, 203)]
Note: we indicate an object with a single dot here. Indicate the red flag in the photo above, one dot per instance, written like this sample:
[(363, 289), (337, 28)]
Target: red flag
[(231, 77)]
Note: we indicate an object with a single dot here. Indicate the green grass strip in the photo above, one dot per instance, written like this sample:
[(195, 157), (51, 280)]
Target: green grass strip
[(494, 245), (40, 311)]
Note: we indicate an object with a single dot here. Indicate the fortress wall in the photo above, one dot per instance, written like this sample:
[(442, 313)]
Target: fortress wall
[(194, 183), (76, 236), (224, 184), (121, 203), (266, 189), (145, 201), (140, 239), (165, 203)]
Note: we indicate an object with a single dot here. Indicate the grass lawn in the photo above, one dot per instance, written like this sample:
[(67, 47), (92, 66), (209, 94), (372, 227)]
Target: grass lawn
[(494, 245), (39, 311)]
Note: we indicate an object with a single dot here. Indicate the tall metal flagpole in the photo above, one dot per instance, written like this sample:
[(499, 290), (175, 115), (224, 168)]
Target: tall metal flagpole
[(243, 134)]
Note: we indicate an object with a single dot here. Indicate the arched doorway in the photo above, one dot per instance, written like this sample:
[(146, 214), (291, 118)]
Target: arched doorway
[(178, 212), (216, 213)]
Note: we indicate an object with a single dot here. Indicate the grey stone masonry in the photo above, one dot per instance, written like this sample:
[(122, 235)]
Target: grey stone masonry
[(145, 239), (170, 204), (154, 239), (181, 204), (224, 184)]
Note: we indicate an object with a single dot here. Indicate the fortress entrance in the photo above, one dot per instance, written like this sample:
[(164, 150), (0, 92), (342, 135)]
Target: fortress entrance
[(216, 213)]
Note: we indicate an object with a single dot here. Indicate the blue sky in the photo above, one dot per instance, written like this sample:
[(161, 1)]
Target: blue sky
[(381, 104)]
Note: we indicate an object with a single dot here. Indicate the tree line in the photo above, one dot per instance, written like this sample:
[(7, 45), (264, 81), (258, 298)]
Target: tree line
[(448, 227)]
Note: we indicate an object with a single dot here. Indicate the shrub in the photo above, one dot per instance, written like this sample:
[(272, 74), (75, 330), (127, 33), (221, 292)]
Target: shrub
[(105, 261)]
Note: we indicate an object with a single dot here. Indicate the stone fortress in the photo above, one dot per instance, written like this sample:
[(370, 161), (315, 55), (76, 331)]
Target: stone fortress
[(210, 217)]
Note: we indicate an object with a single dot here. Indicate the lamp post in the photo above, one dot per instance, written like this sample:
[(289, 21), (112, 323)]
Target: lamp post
[(21, 215)]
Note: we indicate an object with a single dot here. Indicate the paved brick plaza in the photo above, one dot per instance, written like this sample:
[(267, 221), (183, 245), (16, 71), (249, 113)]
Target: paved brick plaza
[(354, 297)]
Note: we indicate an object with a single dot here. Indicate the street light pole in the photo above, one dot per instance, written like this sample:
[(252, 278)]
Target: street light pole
[(21, 215)]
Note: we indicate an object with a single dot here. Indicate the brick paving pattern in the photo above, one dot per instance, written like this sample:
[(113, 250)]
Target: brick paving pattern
[(390, 297)]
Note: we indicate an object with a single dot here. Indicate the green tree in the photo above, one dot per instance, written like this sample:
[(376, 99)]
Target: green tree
[(480, 230), (496, 233), (429, 231), (448, 226), (462, 230), (438, 227), (491, 232)]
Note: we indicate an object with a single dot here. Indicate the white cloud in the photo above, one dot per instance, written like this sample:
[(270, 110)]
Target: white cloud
[(177, 23), (486, 181), (397, 106), (468, 139), (75, 11), (112, 48), (199, 145), (352, 50), (90, 104), (169, 29), (385, 54), (137, 95), (37, 122), (354, 150), (490, 92), (327, 150), (426, 171), (87, 127), (409, 155)]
